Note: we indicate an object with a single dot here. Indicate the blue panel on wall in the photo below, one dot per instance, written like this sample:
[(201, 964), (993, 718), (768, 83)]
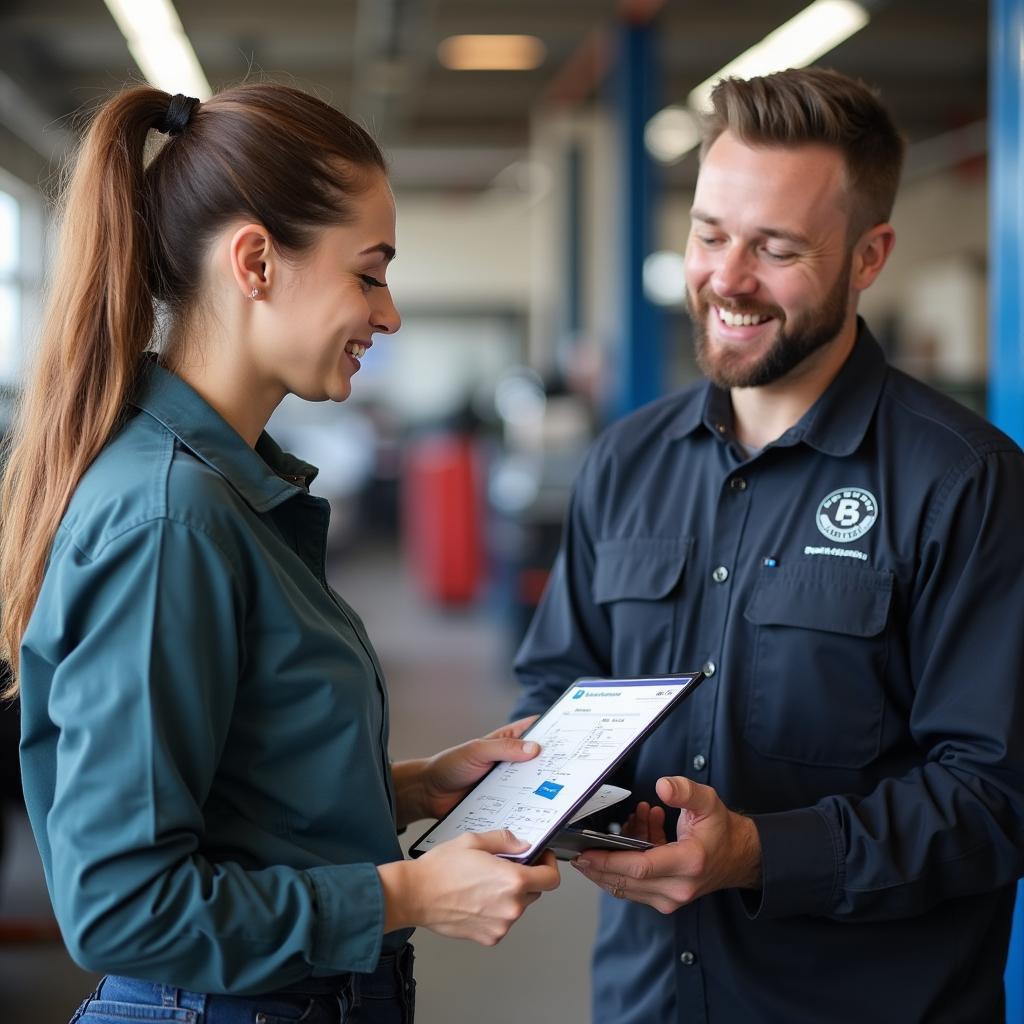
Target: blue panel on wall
[(1006, 305), (1006, 224), (638, 369)]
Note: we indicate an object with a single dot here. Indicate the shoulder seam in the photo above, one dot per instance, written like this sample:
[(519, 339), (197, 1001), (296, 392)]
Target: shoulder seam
[(137, 523), (958, 471), (985, 447)]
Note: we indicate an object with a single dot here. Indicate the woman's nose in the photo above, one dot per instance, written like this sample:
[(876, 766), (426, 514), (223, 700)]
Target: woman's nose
[(386, 319)]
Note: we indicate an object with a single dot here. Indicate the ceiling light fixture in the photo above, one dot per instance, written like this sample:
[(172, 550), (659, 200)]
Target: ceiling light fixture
[(664, 277), (491, 53), (798, 42), (159, 45), (818, 28), (671, 133)]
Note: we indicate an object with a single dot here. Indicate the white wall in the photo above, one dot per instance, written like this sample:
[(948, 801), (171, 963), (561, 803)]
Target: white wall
[(469, 251)]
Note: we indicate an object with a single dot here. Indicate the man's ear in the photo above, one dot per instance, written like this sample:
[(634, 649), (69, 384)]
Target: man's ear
[(870, 254), (252, 260)]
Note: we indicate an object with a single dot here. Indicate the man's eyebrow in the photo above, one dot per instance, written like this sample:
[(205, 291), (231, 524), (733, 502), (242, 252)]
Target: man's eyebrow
[(786, 236), (704, 218), (382, 247)]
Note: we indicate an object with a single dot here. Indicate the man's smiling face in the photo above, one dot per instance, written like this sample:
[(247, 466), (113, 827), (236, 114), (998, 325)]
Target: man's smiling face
[(768, 260)]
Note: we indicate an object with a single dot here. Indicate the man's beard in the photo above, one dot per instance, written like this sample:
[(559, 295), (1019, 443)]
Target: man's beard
[(790, 347)]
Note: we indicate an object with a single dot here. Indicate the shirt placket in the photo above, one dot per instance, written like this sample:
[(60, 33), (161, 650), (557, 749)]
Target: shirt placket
[(312, 548), (721, 569)]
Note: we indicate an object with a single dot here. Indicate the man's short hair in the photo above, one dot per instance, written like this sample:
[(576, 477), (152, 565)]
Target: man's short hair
[(815, 106)]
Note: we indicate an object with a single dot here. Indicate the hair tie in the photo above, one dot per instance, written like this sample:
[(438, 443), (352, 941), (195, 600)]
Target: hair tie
[(179, 113)]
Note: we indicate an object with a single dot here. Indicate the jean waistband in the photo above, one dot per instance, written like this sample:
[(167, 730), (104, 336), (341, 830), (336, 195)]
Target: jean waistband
[(389, 978)]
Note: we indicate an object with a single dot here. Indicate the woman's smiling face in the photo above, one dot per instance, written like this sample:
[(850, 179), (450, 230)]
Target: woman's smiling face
[(323, 308)]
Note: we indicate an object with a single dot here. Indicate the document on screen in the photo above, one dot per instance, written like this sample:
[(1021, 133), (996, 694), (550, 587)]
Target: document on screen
[(582, 736)]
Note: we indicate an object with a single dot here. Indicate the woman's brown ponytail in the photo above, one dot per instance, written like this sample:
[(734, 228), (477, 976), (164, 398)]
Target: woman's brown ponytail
[(98, 321), (133, 234)]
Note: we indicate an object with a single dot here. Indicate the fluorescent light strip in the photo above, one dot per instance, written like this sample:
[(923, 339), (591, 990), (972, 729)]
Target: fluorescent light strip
[(491, 53), (159, 45), (800, 41)]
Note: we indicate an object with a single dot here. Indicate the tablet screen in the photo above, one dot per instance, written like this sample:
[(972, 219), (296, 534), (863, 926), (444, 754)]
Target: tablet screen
[(582, 736)]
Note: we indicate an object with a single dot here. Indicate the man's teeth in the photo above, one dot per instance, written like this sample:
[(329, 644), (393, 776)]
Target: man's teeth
[(353, 348), (740, 319)]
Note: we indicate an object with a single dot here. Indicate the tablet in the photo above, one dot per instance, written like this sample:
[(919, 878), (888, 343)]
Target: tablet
[(583, 736)]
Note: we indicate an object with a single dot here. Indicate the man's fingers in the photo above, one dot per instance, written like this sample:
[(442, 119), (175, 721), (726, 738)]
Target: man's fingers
[(601, 866), (676, 791), (647, 869), (656, 827)]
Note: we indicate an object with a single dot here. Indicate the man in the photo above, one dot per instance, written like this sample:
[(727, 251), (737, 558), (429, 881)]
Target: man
[(840, 548)]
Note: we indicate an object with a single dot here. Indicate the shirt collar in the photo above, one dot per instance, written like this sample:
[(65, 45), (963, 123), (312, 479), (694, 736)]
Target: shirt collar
[(835, 424), (264, 476), (839, 419)]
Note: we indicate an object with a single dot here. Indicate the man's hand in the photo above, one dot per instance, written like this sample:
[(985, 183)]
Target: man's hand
[(646, 822), (715, 848), (431, 787)]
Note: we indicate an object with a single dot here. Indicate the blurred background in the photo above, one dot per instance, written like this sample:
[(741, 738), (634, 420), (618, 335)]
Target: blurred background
[(542, 155)]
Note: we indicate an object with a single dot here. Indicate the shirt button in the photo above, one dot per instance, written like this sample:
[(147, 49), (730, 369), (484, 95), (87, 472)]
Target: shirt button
[(710, 668), (699, 762), (737, 483), (687, 959), (720, 575)]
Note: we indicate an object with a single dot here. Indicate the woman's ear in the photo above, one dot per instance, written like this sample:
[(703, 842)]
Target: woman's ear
[(252, 260)]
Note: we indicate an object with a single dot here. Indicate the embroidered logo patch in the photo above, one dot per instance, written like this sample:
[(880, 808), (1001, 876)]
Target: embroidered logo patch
[(847, 514)]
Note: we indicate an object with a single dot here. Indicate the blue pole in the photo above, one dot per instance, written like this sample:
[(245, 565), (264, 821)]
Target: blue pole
[(572, 316), (1006, 305), (1013, 979), (638, 370), (1006, 223)]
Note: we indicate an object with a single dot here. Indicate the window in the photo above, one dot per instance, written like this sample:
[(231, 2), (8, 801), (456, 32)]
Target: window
[(21, 247)]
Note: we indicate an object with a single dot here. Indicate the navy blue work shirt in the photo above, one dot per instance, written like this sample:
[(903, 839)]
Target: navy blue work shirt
[(855, 593)]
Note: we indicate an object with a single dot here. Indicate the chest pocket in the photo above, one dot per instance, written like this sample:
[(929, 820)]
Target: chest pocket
[(637, 580), (820, 650)]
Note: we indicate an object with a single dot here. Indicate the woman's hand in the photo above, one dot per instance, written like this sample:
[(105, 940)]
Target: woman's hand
[(460, 889), (431, 787)]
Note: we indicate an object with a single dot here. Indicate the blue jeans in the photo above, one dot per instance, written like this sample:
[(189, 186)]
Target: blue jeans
[(387, 996)]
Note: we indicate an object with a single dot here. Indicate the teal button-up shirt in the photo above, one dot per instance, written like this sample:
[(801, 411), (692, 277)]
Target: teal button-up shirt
[(205, 723)]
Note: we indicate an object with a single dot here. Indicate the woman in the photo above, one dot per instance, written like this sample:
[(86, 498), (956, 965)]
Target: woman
[(204, 721)]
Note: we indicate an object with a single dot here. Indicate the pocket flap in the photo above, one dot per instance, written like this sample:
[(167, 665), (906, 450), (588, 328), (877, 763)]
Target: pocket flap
[(638, 568), (848, 599)]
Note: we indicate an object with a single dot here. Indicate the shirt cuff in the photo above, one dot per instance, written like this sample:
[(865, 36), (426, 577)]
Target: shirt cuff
[(350, 917), (801, 865)]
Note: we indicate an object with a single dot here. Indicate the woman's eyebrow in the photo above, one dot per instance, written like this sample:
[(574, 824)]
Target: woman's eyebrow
[(382, 247)]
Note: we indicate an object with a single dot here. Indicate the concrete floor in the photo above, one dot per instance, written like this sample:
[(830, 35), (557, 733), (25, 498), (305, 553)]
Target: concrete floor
[(448, 674)]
